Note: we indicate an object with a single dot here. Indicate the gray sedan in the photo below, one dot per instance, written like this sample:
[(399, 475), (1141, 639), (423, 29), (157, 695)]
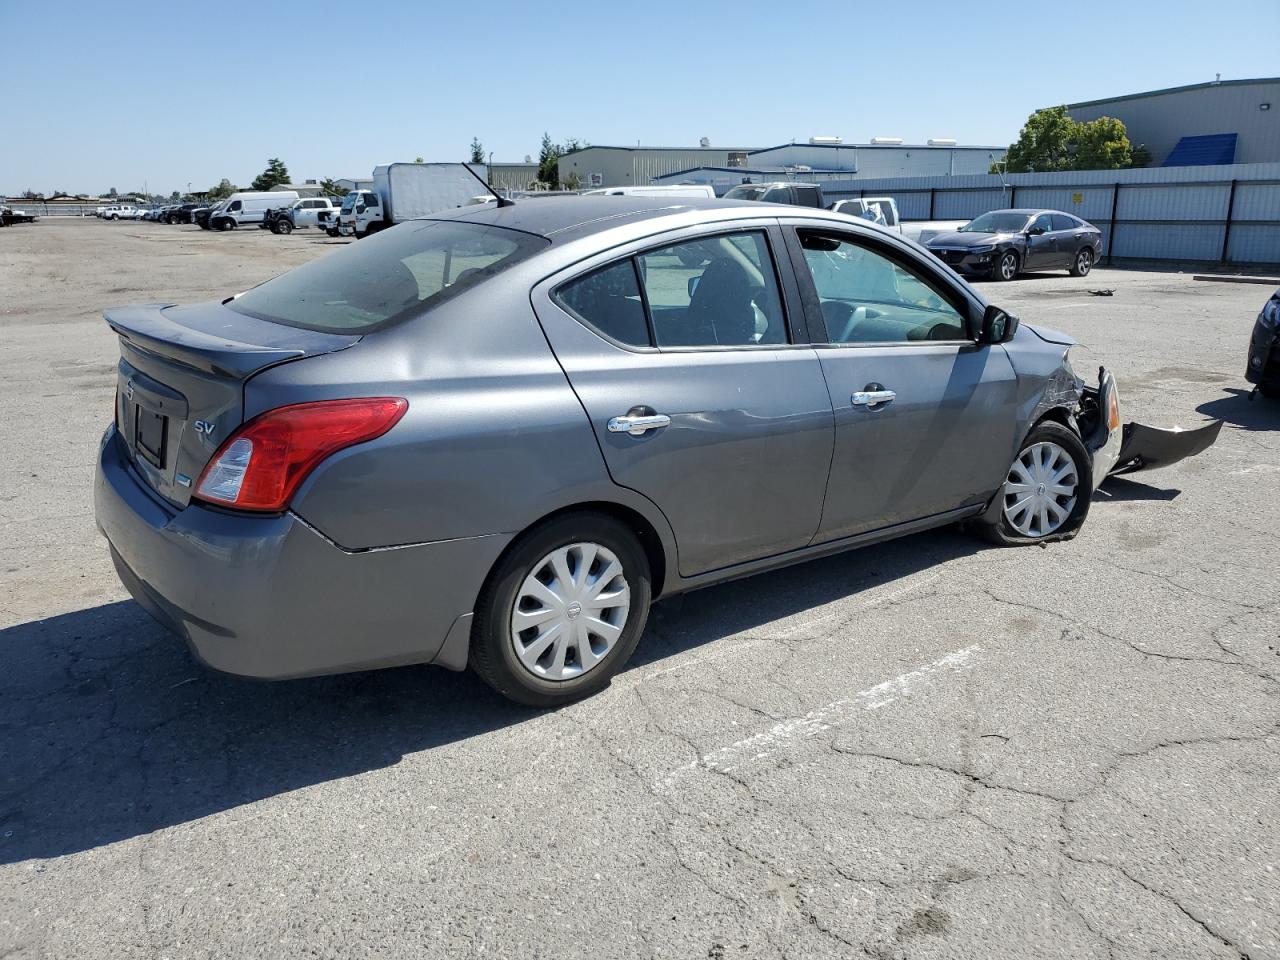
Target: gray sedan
[(494, 437), (1003, 243)]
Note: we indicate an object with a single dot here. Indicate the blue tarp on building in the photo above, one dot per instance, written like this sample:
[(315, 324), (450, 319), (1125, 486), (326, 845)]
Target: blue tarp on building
[(1198, 151)]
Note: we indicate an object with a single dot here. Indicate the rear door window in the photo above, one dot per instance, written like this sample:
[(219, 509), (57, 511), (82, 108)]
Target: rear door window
[(719, 291), (609, 300), (1062, 221)]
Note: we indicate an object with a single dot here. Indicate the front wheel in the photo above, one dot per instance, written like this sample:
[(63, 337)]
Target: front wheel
[(562, 611), (1006, 267), (1046, 492), (282, 227), (332, 231)]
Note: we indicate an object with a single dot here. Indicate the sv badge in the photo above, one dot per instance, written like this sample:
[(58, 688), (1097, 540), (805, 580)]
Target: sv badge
[(204, 428)]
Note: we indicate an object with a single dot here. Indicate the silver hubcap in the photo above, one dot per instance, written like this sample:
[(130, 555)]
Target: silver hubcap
[(1084, 261), (1040, 492), (570, 611), (1008, 267)]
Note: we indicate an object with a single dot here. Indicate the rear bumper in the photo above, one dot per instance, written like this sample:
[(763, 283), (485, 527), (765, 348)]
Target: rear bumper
[(270, 597)]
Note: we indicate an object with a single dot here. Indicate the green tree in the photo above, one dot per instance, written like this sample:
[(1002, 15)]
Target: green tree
[(112, 193), (1044, 143), (330, 188), (477, 150), (1102, 144), (573, 181), (223, 190), (1051, 140), (549, 162), (418, 160), (275, 174)]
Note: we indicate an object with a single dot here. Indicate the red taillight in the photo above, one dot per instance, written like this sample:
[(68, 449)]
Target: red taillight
[(261, 465)]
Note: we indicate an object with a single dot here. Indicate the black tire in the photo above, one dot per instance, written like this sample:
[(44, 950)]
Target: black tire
[(331, 231), (1007, 266), (282, 227), (493, 656), (115, 216), (1002, 532), (226, 223), (1083, 263)]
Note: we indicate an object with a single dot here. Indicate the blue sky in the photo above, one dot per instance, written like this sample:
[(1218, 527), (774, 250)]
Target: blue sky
[(166, 93)]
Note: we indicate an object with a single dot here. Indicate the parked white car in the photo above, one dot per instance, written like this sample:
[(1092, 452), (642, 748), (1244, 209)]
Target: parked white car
[(120, 211)]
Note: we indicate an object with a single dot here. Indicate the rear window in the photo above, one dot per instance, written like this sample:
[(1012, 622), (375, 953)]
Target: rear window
[(388, 276)]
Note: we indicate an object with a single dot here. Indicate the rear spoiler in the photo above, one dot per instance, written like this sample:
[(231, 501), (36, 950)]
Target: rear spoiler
[(185, 334)]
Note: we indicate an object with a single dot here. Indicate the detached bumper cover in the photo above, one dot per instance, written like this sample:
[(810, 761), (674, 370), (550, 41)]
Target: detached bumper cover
[(269, 596), (1148, 448)]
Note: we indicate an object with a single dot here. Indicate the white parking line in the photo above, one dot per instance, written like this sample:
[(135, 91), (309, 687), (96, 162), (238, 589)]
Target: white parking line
[(840, 711)]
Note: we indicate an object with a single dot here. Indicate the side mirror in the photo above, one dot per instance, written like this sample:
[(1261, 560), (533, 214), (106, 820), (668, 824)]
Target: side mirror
[(1035, 231), (359, 208), (693, 285), (998, 326)]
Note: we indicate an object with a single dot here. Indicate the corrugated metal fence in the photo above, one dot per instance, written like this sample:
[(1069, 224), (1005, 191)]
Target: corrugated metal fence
[(42, 209), (1219, 214)]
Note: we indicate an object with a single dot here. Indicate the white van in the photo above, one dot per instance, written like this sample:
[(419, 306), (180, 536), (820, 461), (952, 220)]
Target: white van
[(686, 190), (249, 206)]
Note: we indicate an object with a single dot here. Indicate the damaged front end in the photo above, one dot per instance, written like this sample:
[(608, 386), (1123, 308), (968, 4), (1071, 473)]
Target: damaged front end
[(1119, 448)]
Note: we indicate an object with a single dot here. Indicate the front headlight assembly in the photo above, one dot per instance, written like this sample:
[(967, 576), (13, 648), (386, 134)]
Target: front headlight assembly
[(1270, 313)]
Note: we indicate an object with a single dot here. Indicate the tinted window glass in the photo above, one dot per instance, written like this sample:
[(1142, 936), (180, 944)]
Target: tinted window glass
[(371, 200), (1042, 222), (777, 195), (718, 291), (389, 275), (868, 298), (1063, 222), (609, 300)]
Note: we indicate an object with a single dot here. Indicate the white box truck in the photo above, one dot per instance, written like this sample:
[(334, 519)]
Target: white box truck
[(406, 191), (249, 206)]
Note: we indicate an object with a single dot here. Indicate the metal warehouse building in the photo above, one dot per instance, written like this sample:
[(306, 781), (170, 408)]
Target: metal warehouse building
[(1228, 121), (628, 166), (835, 160)]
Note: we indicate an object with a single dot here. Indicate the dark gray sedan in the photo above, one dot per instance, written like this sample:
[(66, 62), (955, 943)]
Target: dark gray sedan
[(1003, 243), (494, 437)]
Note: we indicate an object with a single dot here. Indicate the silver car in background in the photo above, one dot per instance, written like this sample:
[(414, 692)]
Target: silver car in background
[(493, 437)]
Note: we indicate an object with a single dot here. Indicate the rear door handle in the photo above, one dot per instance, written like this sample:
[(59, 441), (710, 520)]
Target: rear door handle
[(872, 398), (637, 426)]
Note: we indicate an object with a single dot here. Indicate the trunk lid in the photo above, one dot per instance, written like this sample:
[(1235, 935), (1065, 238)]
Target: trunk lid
[(180, 384)]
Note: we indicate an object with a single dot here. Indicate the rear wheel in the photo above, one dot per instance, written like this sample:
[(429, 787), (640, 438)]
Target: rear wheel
[(1083, 263), (1046, 492), (1006, 267), (562, 611)]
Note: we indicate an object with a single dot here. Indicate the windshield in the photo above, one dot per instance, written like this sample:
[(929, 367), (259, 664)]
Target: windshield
[(349, 202), (386, 277), (746, 192), (998, 221)]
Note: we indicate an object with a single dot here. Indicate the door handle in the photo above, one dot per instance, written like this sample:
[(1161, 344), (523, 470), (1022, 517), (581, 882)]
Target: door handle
[(872, 398), (637, 426)]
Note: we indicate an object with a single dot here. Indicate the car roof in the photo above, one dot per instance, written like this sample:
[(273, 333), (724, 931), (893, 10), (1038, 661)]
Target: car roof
[(564, 218)]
